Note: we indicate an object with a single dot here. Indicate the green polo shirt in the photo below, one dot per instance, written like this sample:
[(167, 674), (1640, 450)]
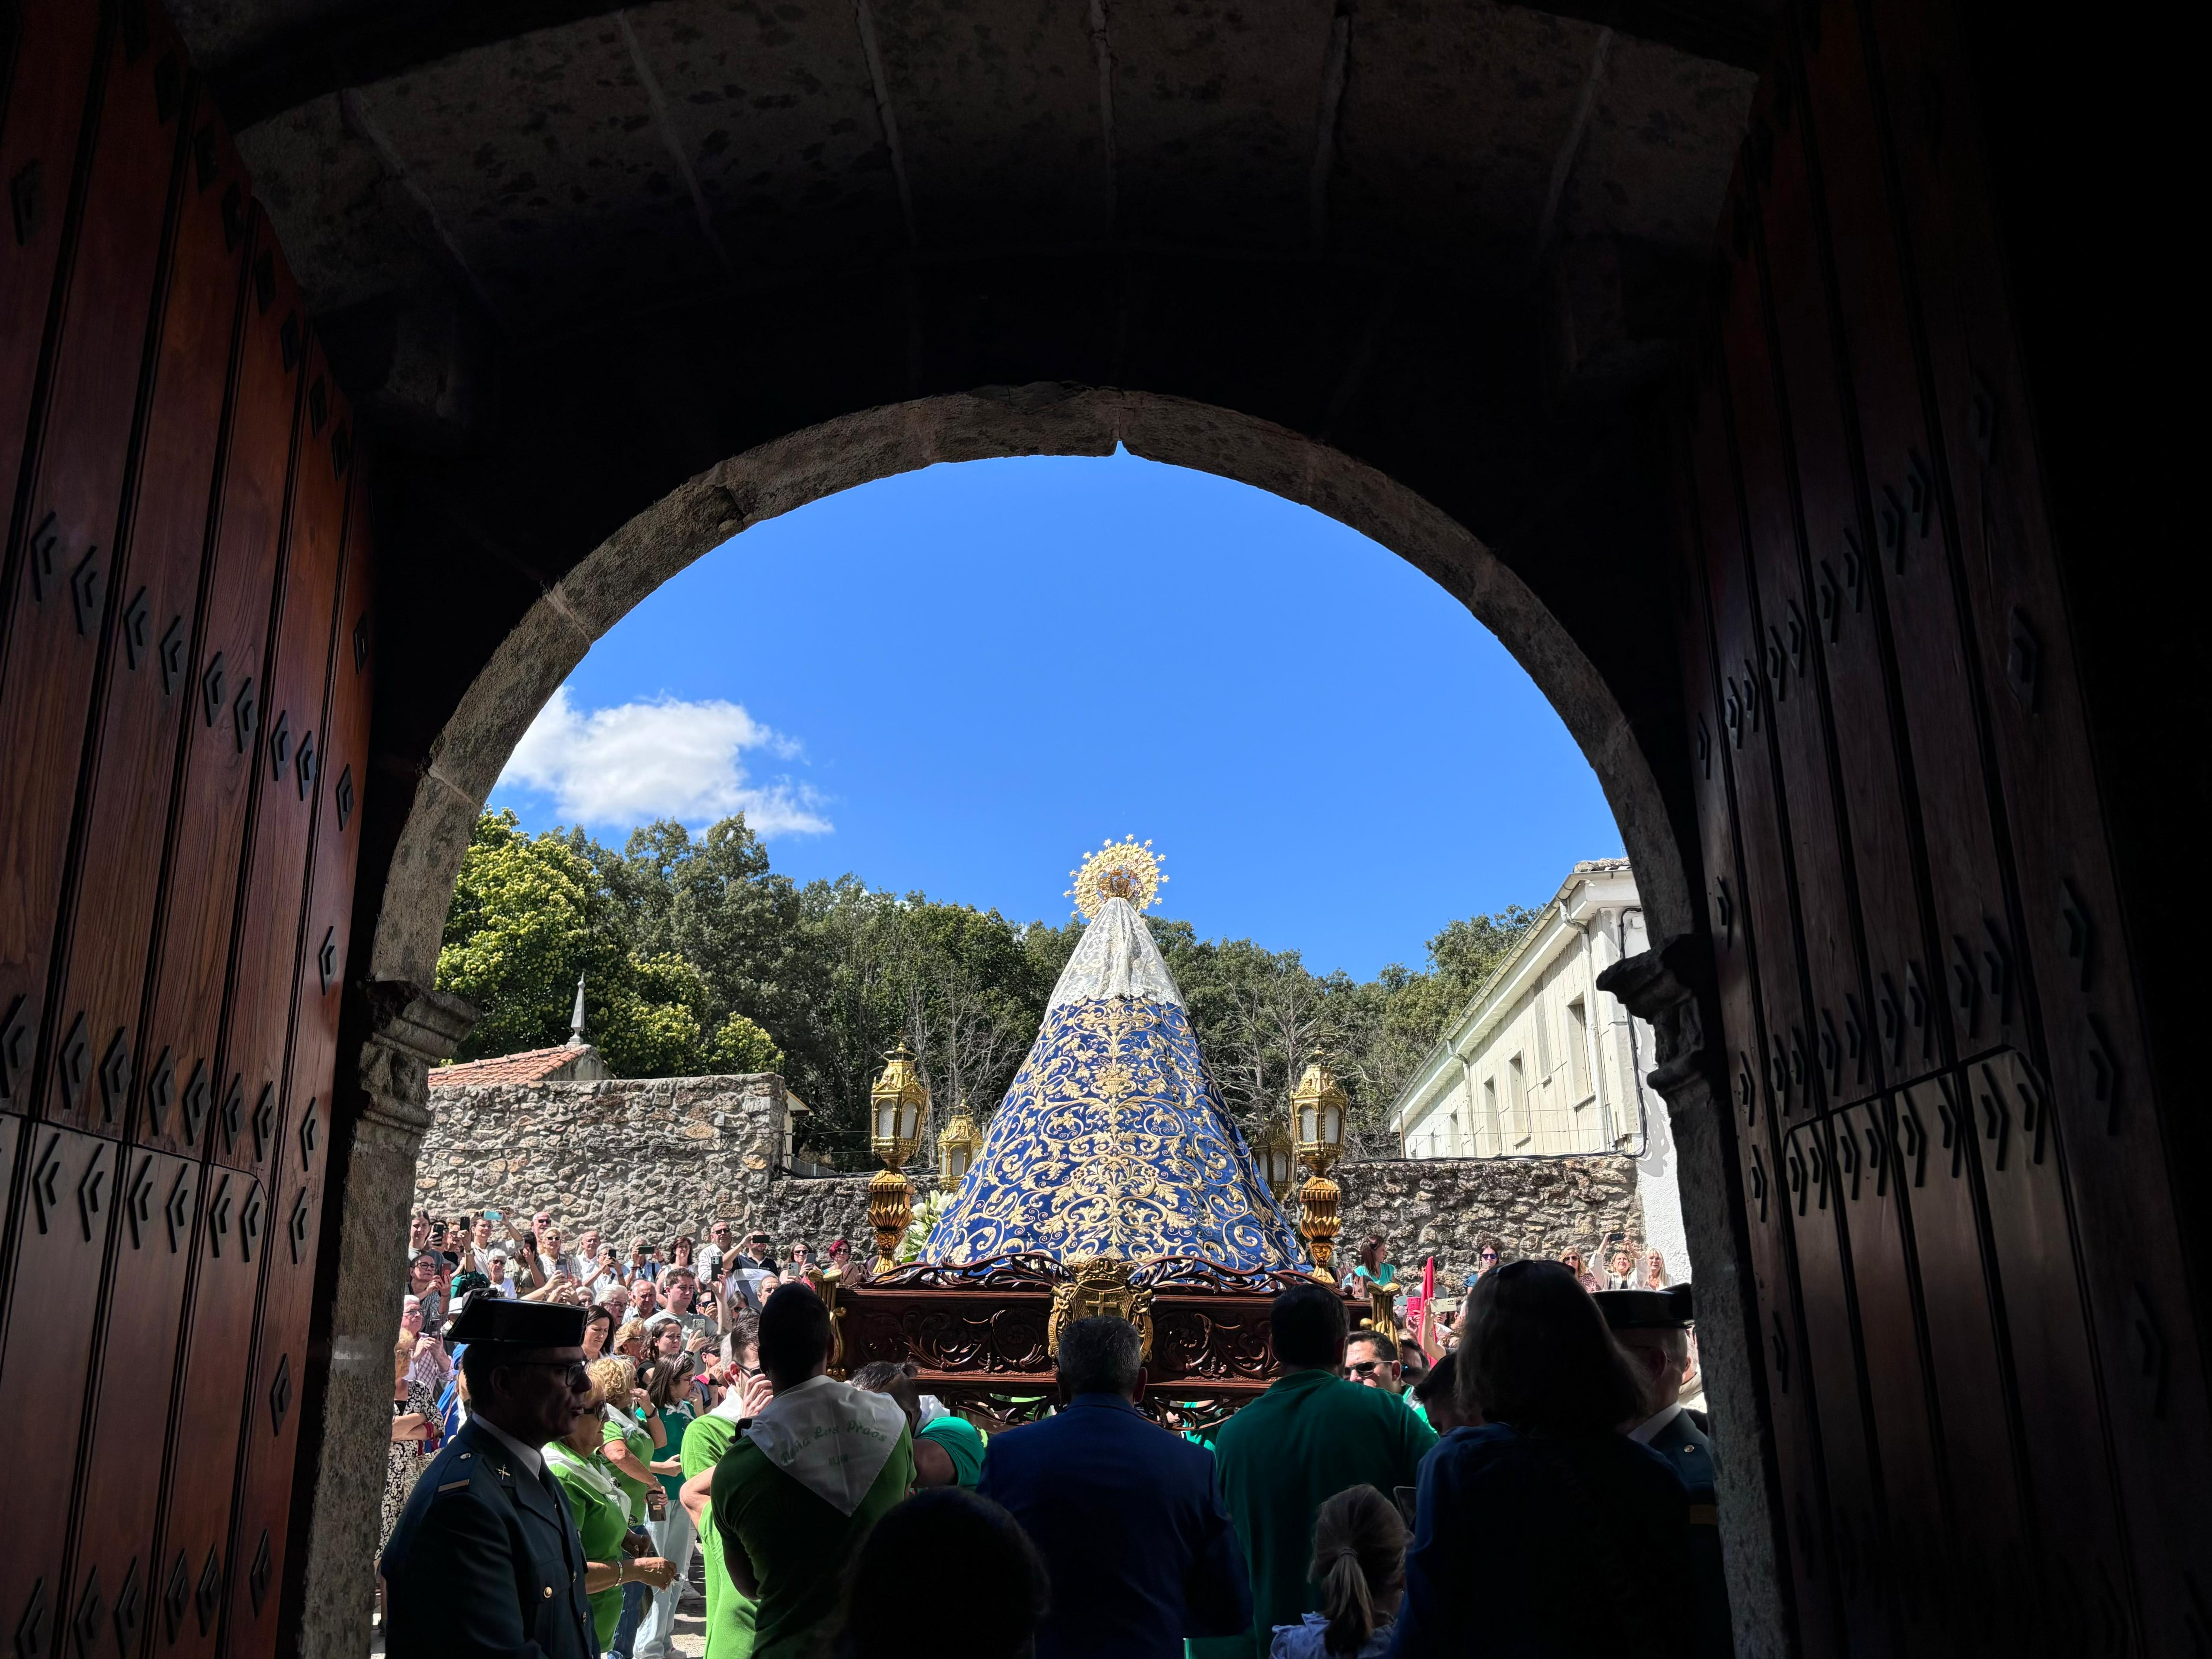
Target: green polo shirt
[(797, 1542), (729, 1610), (963, 1444), (1311, 1436)]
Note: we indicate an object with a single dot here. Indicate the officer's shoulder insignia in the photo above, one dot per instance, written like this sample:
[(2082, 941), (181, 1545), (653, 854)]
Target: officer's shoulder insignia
[(454, 1485)]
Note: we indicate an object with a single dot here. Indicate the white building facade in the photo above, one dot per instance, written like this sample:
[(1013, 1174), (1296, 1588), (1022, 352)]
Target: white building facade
[(1541, 1063)]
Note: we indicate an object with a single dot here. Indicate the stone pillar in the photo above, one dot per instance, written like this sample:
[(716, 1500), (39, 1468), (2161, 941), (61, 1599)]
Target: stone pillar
[(1671, 988), (397, 1031)]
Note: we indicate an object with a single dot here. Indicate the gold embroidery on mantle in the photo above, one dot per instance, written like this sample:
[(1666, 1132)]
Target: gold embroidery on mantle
[(1111, 1142)]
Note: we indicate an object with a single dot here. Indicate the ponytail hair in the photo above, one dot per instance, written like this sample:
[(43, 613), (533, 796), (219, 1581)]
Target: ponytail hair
[(1359, 1552)]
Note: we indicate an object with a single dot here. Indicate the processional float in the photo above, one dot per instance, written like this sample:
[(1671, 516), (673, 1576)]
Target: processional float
[(1111, 1180)]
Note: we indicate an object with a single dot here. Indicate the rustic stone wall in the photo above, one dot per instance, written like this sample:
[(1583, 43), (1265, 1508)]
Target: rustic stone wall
[(666, 1156), (651, 1155), (1533, 1206)]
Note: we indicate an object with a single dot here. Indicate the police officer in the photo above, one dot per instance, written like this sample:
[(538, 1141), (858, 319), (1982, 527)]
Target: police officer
[(1653, 1328), (486, 1560)]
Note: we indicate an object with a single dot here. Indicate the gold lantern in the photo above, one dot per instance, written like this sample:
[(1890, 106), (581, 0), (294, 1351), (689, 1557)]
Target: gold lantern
[(957, 1143), (1317, 1124), (1277, 1157), (896, 1106)]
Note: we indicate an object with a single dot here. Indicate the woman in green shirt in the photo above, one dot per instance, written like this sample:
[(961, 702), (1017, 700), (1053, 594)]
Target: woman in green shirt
[(603, 1522), (631, 1436)]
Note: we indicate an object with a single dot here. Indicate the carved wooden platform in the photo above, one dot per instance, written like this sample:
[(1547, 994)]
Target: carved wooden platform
[(978, 1333)]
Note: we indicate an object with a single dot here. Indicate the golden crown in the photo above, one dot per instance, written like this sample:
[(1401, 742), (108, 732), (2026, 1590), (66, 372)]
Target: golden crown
[(1120, 869)]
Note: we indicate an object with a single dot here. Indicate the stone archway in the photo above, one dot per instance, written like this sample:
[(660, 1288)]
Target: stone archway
[(789, 472), (411, 1028)]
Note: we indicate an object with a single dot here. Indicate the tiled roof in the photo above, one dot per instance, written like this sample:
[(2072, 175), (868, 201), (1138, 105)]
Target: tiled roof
[(531, 1065)]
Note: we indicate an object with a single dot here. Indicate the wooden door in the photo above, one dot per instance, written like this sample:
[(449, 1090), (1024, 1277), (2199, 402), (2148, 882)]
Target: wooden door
[(184, 698), (1988, 1416)]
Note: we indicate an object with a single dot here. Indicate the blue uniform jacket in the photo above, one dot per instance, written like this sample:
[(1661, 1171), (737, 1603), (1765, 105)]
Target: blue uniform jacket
[(485, 1562), (1139, 1551), (1688, 1447)]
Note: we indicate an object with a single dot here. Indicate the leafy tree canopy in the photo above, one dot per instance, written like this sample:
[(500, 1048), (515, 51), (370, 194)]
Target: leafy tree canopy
[(698, 958)]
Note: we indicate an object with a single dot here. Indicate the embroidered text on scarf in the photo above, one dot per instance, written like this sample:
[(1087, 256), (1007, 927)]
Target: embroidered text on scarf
[(832, 1438)]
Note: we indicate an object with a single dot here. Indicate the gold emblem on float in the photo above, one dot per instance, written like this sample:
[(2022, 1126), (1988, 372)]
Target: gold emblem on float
[(1101, 1289), (1119, 869)]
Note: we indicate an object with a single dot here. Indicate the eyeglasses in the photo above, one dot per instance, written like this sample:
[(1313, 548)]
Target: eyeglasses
[(1490, 1256), (1362, 1367), (576, 1372)]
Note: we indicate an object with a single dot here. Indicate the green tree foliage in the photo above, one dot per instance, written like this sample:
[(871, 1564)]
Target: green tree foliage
[(697, 957)]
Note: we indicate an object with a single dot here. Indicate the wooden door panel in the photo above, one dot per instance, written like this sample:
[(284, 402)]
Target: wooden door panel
[(172, 613), (224, 727), (39, 146), (1919, 1568), (121, 1497), (1844, 584), (271, 1431), (71, 1181), (64, 577), (2113, 1161), (288, 780), (337, 832), (1781, 1331), (2083, 1585), (1797, 953), (1781, 624), (151, 689), (204, 1425), (1935, 696)]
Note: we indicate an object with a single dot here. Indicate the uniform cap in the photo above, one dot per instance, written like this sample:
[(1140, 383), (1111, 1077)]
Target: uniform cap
[(1645, 1310), (496, 1320)]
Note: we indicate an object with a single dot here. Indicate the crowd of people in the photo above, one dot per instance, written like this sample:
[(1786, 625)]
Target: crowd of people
[(1394, 1492)]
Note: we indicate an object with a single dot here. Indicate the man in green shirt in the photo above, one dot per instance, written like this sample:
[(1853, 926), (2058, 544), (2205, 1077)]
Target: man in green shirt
[(798, 1490), (729, 1614), (1310, 1437)]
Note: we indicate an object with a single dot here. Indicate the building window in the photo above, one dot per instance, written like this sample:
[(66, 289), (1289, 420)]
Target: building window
[(1516, 1084), (1490, 1112), (1579, 1049), (1452, 1147)]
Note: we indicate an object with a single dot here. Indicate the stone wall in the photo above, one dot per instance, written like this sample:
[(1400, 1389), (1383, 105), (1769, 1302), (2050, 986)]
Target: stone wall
[(654, 1155), (1533, 1206), (667, 1156)]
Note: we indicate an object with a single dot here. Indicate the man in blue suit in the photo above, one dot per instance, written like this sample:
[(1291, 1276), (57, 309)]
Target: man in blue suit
[(1140, 1553)]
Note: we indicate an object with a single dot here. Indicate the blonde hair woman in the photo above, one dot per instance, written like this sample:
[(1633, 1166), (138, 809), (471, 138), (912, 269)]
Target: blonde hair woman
[(602, 1521)]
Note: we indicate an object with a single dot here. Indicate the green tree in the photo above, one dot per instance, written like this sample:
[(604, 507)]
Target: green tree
[(738, 1045), (530, 913), (696, 957)]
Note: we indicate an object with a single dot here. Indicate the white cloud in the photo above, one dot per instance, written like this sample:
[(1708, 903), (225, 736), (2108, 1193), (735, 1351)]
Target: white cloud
[(639, 760)]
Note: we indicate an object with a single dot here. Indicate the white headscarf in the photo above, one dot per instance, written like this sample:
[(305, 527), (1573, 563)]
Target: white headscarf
[(832, 1438)]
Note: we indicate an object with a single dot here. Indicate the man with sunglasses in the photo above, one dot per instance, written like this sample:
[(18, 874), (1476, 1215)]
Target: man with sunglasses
[(486, 1557)]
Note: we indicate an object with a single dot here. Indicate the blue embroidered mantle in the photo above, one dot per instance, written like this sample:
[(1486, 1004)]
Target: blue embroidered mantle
[(1112, 1140)]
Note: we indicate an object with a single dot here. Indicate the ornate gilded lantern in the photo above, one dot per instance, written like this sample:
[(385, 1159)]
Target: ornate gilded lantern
[(896, 1106), (957, 1143), (1277, 1156), (1317, 1119)]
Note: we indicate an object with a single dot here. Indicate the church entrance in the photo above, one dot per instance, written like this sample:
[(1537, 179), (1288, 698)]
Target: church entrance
[(358, 373)]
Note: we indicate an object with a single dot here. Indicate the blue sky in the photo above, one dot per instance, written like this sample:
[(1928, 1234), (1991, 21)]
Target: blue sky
[(961, 679)]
